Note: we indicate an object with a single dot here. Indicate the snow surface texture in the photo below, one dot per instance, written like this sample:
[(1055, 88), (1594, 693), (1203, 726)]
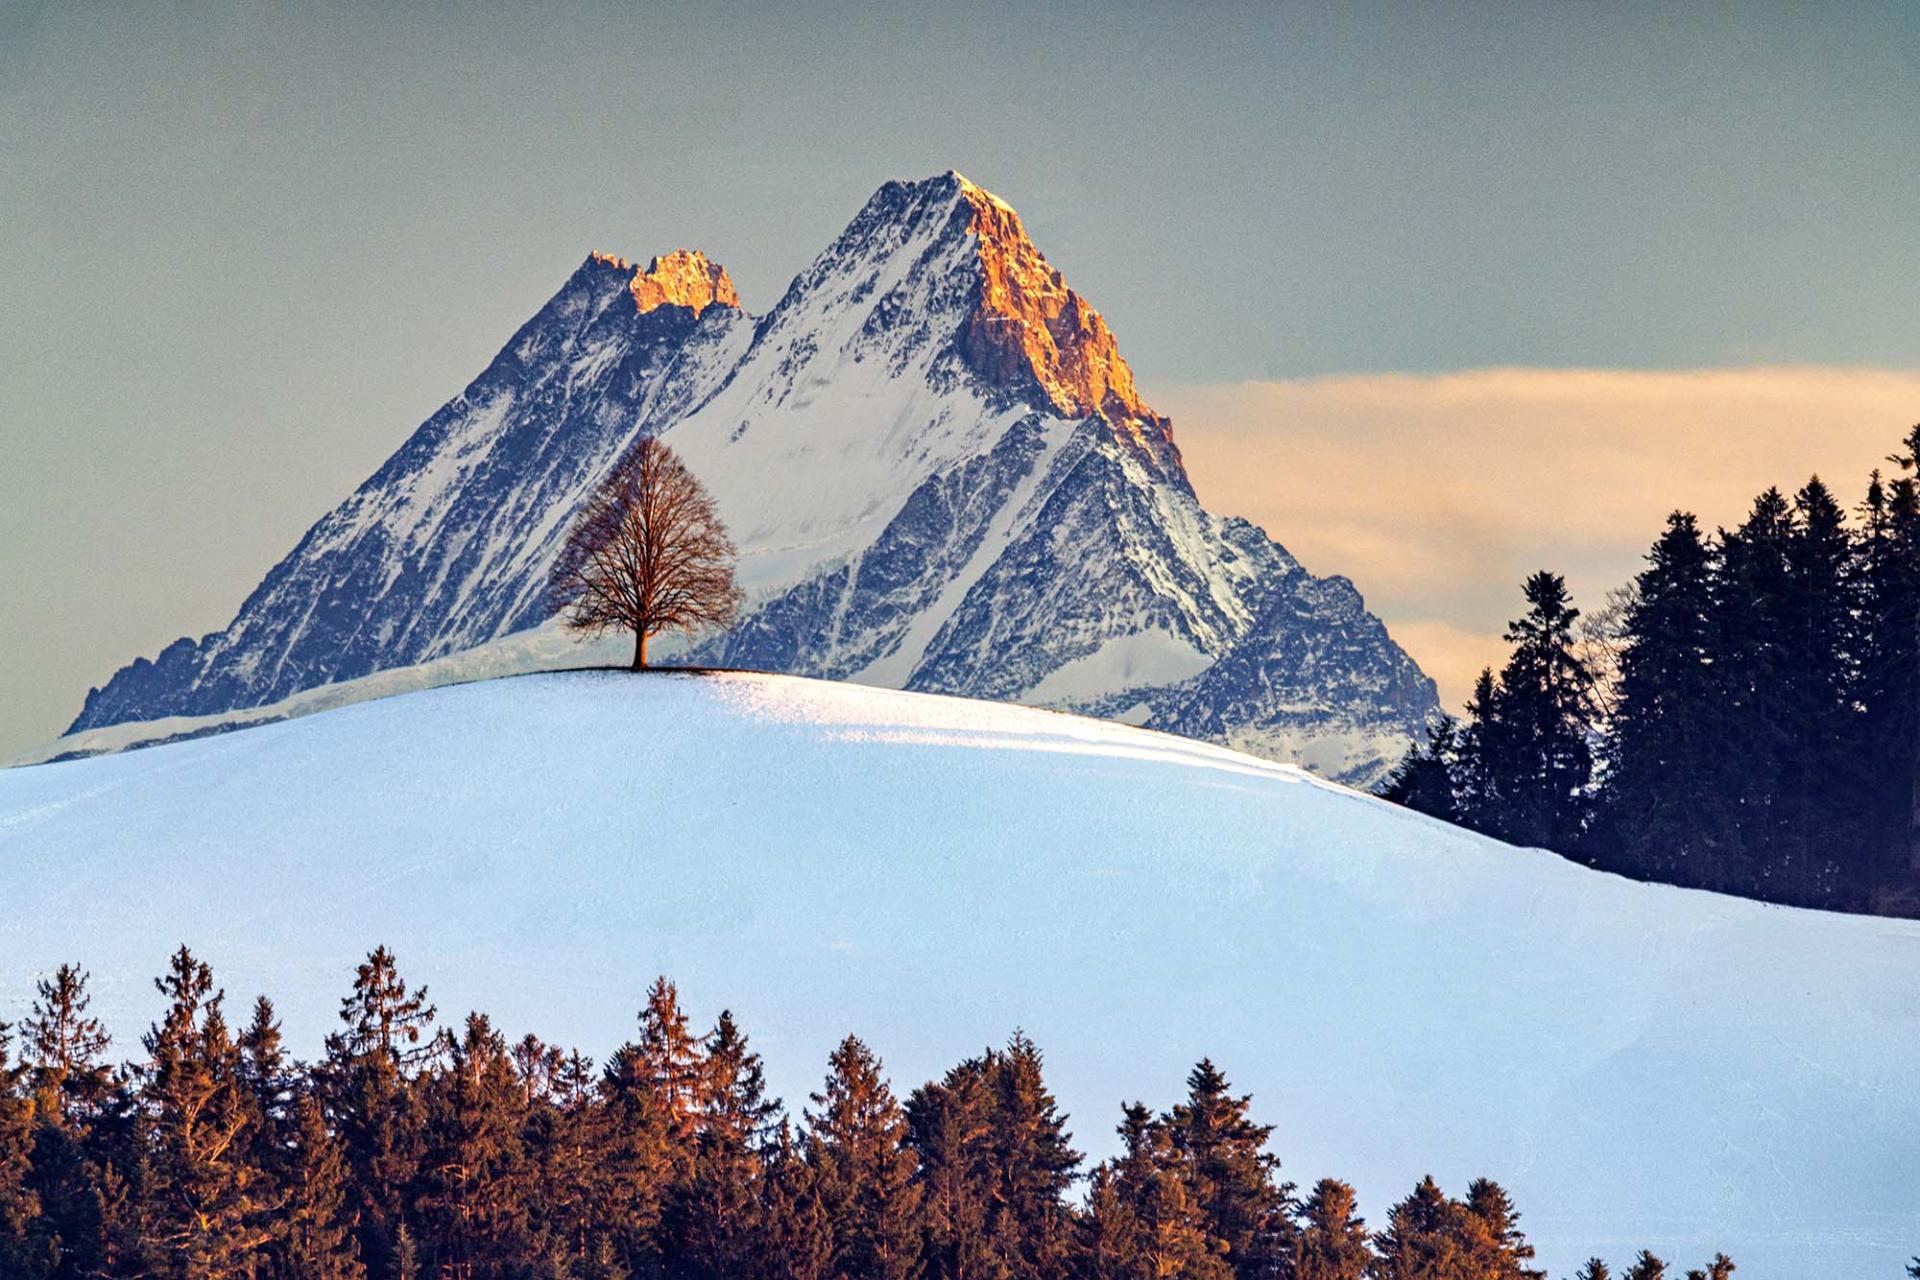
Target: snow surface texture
[(1641, 1065), (939, 477)]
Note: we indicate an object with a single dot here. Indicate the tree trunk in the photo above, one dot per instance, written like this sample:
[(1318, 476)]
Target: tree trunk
[(640, 649)]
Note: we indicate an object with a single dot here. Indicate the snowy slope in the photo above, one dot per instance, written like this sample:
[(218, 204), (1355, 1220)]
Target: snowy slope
[(1641, 1065), (937, 468)]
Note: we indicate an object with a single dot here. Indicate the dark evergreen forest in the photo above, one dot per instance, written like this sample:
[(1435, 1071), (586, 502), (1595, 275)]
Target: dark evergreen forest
[(1741, 717), (413, 1150)]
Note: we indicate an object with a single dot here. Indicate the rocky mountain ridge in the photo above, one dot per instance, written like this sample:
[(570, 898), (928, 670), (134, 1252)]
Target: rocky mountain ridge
[(935, 461)]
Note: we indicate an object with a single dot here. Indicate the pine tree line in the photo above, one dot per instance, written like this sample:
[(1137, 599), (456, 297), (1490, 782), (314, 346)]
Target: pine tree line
[(412, 1151), (1743, 719)]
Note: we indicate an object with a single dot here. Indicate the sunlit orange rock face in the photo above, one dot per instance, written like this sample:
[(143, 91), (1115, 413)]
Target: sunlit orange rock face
[(683, 278), (1029, 323)]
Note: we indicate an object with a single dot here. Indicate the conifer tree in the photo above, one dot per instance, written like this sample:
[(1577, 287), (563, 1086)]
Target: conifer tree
[(1231, 1174), (1902, 651), (1749, 655), (1332, 1243), (384, 1039), (1110, 1231), (653, 1087), (1424, 780), (64, 1048), (404, 1263), (796, 1226), (1142, 1222), (1647, 1267), (566, 1136), (1892, 666), (1822, 790), (1595, 1269), (537, 1066), (1886, 643), (211, 1220), (736, 1114), (1663, 789), (264, 1068), (317, 1240), (1477, 793), (473, 1181), (1897, 622), (1497, 1248), (1544, 713), (951, 1127), (713, 1221), (1424, 1238), (1034, 1164), (1721, 1268), (995, 1162), (266, 1077), (670, 1057), (856, 1140), (126, 1226), (67, 1048), (24, 1252), (635, 1164)]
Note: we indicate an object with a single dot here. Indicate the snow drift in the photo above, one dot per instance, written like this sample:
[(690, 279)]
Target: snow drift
[(1639, 1064)]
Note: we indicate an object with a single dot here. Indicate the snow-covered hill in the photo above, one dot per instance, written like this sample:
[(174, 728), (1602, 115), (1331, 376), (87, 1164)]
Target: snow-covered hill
[(1640, 1064), (938, 469)]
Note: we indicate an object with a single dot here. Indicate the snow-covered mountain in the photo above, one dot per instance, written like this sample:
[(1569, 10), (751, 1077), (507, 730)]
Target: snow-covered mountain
[(1640, 1065), (939, 472)]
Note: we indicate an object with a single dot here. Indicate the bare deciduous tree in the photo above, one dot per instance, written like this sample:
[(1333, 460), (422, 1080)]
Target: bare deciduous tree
[(646, 553)]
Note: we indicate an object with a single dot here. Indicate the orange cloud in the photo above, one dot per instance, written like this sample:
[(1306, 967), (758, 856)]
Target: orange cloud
[(1437, 493)]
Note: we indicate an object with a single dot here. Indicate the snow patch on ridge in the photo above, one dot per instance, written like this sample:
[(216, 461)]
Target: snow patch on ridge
[(1151, 657)]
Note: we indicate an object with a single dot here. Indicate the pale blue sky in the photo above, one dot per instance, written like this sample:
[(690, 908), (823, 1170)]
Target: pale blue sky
[(245, 248)]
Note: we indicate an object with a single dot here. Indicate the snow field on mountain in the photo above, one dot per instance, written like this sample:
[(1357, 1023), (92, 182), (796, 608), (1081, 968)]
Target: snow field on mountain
[(1145, 657), (1640, 1065)]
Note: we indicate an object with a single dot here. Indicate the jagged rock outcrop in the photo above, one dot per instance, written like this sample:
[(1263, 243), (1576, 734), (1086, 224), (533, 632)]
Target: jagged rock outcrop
[(683, 278), (1028, 324), (937, 467)]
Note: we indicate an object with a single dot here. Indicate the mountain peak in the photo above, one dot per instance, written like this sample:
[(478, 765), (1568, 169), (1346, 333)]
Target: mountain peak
[(683, 278), (1029, 324)]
